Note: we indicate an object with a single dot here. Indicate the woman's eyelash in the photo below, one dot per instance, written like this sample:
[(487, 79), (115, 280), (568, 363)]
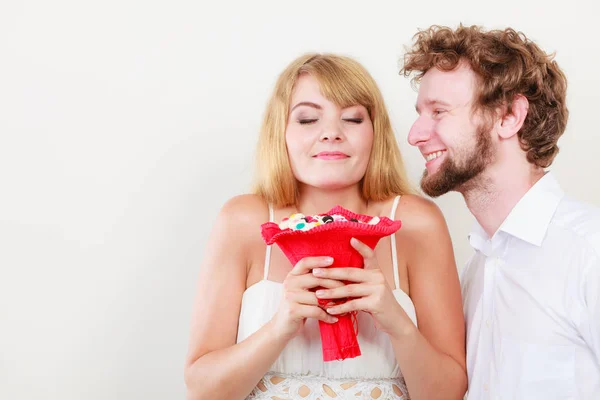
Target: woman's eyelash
[(354, 120), (306, 121)]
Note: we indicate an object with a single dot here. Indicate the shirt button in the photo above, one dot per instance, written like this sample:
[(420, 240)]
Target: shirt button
[(485, 387), (487, 323)]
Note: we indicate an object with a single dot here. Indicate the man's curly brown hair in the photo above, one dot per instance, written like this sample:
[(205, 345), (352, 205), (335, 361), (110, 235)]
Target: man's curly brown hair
[(507, 64)]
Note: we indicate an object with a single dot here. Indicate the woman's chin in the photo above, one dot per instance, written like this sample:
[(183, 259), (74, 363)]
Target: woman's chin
[(332, 185)]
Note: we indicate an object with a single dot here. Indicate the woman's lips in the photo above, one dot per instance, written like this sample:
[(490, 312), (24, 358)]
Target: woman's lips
[(331, 155)]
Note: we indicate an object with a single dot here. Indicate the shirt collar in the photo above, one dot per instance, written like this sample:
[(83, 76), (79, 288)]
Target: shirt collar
[(478, 239), (530, 217)]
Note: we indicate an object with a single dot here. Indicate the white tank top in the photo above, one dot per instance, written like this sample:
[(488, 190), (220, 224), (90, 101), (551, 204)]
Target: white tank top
[(299, 371)]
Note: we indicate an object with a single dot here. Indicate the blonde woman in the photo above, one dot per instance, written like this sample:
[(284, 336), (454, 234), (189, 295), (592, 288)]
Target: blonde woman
[(326, 140)]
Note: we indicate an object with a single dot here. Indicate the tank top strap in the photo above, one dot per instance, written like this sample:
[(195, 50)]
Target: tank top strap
[(393, 241), (268, 253)]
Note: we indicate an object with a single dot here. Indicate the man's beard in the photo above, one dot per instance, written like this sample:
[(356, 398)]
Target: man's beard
[(454, 175)]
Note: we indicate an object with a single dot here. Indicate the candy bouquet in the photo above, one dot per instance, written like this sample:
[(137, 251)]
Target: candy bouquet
[(329, 234)]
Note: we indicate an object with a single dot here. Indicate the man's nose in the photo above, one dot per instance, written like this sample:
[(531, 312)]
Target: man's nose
[(420, 132)]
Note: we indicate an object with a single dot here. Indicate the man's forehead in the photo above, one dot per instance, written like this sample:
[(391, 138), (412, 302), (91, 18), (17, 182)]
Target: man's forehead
[(439, 86), (461, 75)]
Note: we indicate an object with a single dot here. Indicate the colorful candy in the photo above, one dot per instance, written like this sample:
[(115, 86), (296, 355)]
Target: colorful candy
[(300, 222)]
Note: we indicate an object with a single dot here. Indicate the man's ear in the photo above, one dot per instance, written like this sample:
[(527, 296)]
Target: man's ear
[(513, 120)]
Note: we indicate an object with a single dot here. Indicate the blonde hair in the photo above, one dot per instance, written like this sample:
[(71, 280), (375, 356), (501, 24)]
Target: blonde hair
[(346, 83)]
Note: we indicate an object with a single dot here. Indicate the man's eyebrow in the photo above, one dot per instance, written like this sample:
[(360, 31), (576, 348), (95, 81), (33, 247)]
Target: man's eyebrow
[(432, 102)]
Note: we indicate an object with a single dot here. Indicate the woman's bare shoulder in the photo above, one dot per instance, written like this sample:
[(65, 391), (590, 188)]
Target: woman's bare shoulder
[(241, 217), (245, 209), (420, 214), (424, 235)]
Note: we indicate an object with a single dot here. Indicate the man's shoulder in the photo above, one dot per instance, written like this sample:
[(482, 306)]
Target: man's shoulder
[(580, 219)]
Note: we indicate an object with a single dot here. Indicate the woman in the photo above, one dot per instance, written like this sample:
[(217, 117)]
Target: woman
[(326, 140)]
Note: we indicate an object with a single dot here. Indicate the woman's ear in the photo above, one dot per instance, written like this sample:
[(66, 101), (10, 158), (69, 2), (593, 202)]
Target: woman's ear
[(513, 120)]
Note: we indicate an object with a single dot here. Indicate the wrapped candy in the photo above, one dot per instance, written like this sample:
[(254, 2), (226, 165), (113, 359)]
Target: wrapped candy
[(329, 235)]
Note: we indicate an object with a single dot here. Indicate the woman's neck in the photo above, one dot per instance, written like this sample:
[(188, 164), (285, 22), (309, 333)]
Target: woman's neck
[(312, 200)]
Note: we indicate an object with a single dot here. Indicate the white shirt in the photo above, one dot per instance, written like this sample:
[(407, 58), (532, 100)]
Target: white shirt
[(531, 298)]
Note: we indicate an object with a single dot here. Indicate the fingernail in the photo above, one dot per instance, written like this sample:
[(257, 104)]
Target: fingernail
[(320, 293), (332, 310), (328, 260), (317, 271), (333, 320)]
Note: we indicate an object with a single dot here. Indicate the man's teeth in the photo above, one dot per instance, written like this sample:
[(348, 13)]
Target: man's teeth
[(433, 156)]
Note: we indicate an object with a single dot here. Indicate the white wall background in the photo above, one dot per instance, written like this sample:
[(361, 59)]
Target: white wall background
[(124, 125)]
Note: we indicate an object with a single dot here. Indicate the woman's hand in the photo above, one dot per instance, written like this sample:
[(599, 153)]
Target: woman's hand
[(368, 291), (299, 302)]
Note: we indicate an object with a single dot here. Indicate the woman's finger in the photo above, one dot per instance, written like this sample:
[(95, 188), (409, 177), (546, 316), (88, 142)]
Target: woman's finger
[(302, 297), (366, 252), (360, 304), (306, 311), (342, 274), (351, 290), (309, 281), (306, 264)]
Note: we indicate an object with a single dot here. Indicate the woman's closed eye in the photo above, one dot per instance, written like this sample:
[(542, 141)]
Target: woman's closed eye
[(354, 120), (307, 121)]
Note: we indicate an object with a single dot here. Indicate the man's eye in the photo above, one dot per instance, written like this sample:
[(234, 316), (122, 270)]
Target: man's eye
[(354, 120), (306, 121), (438, 112)]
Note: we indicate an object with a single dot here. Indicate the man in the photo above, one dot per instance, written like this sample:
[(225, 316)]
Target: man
[(491, 108)]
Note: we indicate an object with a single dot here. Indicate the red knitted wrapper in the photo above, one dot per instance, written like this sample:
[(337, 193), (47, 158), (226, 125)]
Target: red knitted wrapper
[(333, 240)]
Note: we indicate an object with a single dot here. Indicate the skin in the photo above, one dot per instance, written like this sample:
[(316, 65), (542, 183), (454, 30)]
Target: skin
[(448, 124), (432, 358)]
